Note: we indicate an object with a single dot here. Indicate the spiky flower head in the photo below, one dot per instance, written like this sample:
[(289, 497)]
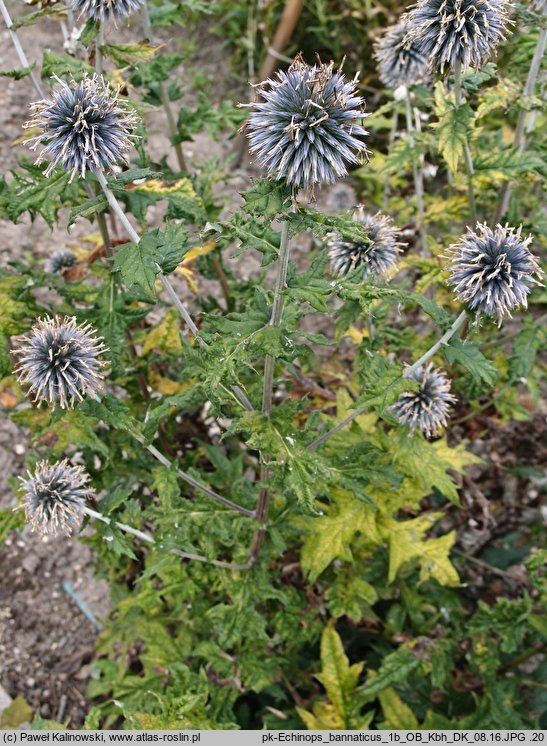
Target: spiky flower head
[(54, 497), (106, 10), (400, 61), (493, 271), (307, 126), (59, 261), (375, 258), (60, 360), (464, 31), (82, 127), (428, 407)]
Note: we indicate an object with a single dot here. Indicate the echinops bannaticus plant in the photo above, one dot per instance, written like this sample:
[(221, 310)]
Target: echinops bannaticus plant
[(59, 261), (493, 271), (83, 127), (308, 126), (106, 10), (54, 497), (375, 258), (465, 32), (400, 61), (427, 408), (60, 361)]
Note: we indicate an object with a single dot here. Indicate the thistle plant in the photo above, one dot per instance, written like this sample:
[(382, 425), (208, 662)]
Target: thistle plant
[(60, 261), (375, 258), (83, 127), (452, 32), (105, 10), (400, 60), (308, 126), (427, 408), (54, 497), (60, 361), (493, 271)]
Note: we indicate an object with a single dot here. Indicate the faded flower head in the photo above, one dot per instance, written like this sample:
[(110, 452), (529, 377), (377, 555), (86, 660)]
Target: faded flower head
[(400, 61), (106, 10), (60, 360), (307, 127), (54, 497), (451, 31), (427, 408), (375, 258), (59, 261), (83, 127), (493, 271)]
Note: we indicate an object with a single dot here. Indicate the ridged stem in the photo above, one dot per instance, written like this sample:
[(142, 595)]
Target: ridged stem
[(164, 96), (418, 177), (19, 49), (467, 152), (408, 372), (519, 142)]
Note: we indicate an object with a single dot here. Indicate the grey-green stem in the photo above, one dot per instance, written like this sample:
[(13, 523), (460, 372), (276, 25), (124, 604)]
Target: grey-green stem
[(467, 152), (164, 95), (408, 372), (418, 176), (19, 49), (149, 539), (519, 142)]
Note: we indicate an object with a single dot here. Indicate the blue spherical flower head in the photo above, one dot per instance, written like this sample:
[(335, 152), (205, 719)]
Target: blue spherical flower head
[(54, 497), (428, 407), (83, 127), (106, 10), (375, 258), (59, 261), (493, 271), (450, 31), (308, 126), (400, 61), (59, 361)]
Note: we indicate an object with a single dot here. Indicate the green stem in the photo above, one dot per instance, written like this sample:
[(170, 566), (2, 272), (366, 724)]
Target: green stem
[(408, 372), (267, 395), (164, 96), (19, 49), (418, 176), (467, 152)]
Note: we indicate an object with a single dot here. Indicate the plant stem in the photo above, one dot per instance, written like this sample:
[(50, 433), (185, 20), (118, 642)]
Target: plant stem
[(262, 507), (519, 142), (418, 176), (19, 49), (98, 49), (179, 305), (149, 539), (467, 152), (425, 357), (164, 96)]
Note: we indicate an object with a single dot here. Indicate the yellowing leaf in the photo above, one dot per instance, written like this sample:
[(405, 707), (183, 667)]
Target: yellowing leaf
[(324, 717), (190, 277), (435, 561), (164, 336), (329, 537), (165, 386), (198, 251), (397, 714)]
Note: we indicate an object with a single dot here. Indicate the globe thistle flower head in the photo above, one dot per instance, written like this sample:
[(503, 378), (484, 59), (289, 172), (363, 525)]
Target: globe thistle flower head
[(307, 127), (59, 261), (493, 271), (447, 32), (59, 360), (377, 257), (106, 10), (400, 61), (82, 127), (54, 497), (428, 407)]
